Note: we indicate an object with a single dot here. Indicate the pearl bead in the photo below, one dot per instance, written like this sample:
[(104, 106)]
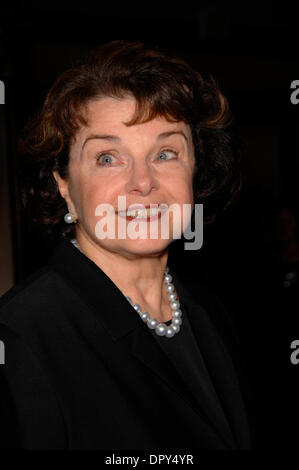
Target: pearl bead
[(176, 328), (144, 316), (175, 305), (177, 313), (170, 287), (137, 307), (129, 299), (152, 323), (161, 329), (177, 321), (69, 218), (172, 296), (167, 278), (170, 332)]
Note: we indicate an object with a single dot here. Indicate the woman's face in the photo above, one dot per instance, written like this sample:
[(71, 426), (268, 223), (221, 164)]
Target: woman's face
[(149, 163)]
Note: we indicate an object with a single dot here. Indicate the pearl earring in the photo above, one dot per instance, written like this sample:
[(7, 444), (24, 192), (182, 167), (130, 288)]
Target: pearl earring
[(69, 218)]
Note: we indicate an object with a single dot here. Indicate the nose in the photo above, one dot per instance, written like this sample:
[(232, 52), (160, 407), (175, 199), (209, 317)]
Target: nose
[(141, 180)]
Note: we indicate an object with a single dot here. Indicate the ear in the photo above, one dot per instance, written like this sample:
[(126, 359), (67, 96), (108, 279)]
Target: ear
[(63, 186)]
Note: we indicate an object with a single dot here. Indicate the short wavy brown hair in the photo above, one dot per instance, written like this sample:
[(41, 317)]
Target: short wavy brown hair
[(162, 86)]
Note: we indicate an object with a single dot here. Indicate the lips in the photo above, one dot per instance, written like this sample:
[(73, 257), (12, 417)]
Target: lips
[(143, 212)]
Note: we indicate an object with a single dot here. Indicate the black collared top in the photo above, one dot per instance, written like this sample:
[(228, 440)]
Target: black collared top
[(82, 370)]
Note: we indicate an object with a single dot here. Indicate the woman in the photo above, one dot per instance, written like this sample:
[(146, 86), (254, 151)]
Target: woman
[(105, 346)]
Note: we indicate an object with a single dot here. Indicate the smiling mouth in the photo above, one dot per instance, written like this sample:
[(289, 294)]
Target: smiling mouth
[(142, 214)]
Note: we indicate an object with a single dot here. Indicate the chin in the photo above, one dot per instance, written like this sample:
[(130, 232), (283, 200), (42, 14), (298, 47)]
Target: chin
[(141, 247)]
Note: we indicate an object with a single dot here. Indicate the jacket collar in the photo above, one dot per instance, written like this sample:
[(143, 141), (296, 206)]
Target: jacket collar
[(119, 319), (117, 315)]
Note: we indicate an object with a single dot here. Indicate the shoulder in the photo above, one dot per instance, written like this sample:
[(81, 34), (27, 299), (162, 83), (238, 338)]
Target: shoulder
[(33, 299)]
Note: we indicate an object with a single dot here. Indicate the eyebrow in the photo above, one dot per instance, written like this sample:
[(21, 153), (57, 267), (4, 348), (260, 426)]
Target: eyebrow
[(115, 138), (163, 135), (111, 138)]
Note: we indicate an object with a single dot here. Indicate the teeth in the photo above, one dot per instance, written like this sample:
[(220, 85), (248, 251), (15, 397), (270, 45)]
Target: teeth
[(141, 213)]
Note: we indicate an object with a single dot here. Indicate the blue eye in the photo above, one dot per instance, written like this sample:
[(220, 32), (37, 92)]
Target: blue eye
[(167, 155), (104, 159)]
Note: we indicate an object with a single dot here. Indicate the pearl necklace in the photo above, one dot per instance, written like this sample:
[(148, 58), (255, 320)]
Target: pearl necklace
[(161, 329)]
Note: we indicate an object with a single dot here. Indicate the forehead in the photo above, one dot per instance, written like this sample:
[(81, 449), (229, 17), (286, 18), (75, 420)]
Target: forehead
[(110, 115)]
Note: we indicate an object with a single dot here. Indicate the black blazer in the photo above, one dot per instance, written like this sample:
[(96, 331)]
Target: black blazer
[(82, 371)]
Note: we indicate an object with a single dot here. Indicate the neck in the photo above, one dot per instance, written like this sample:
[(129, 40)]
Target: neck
[(141, 277)]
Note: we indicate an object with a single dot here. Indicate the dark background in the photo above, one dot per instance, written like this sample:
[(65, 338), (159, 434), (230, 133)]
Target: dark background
[(250, 256)]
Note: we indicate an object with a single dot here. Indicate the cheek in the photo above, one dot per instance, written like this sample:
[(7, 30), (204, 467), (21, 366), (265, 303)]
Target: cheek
[(181, 188), (181, 191), (93, 196), (89, 195)]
